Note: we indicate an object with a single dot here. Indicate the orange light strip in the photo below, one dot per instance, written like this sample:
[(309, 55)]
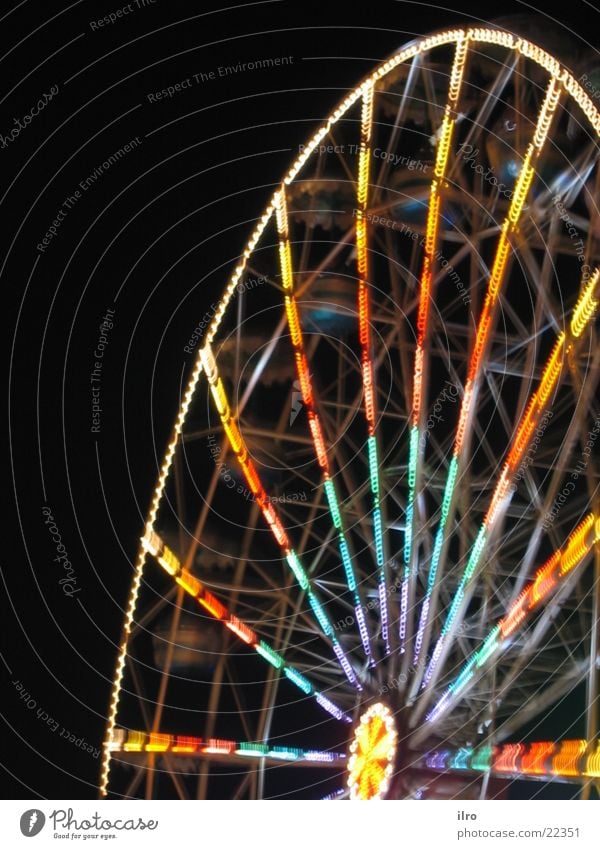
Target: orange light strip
[(545, 580), (549, 576), (159, 742), (510, 224), (212, 604), (518, 612)]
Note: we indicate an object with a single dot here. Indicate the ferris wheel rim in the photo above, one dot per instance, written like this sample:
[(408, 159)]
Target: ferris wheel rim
[(488, 36)]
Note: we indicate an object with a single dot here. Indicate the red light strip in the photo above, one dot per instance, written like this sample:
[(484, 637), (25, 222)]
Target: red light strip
[(185, 745)]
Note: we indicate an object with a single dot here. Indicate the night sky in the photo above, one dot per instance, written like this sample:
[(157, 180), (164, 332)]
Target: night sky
[(146, 244)]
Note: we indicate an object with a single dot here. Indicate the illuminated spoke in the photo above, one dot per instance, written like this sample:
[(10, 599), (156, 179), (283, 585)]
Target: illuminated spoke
[(548, 580), (367, 363), (568, 760), (208, 602)]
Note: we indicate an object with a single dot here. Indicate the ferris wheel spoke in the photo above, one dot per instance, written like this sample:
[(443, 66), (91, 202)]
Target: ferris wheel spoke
[(127, 742), (548, 580), (238, 445), (445, 134), (314, 420), (367, 362), (468, 403), (566, 345), (569, 760), (166, 558)]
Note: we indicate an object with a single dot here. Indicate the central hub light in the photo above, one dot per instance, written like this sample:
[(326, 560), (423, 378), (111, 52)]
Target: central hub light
[(372, 753)]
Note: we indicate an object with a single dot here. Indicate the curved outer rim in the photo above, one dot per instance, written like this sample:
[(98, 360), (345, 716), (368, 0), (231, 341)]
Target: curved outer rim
[(485, 35)]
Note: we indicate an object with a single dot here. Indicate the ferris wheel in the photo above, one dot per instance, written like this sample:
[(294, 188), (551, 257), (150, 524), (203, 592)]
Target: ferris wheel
[(371, 564)]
